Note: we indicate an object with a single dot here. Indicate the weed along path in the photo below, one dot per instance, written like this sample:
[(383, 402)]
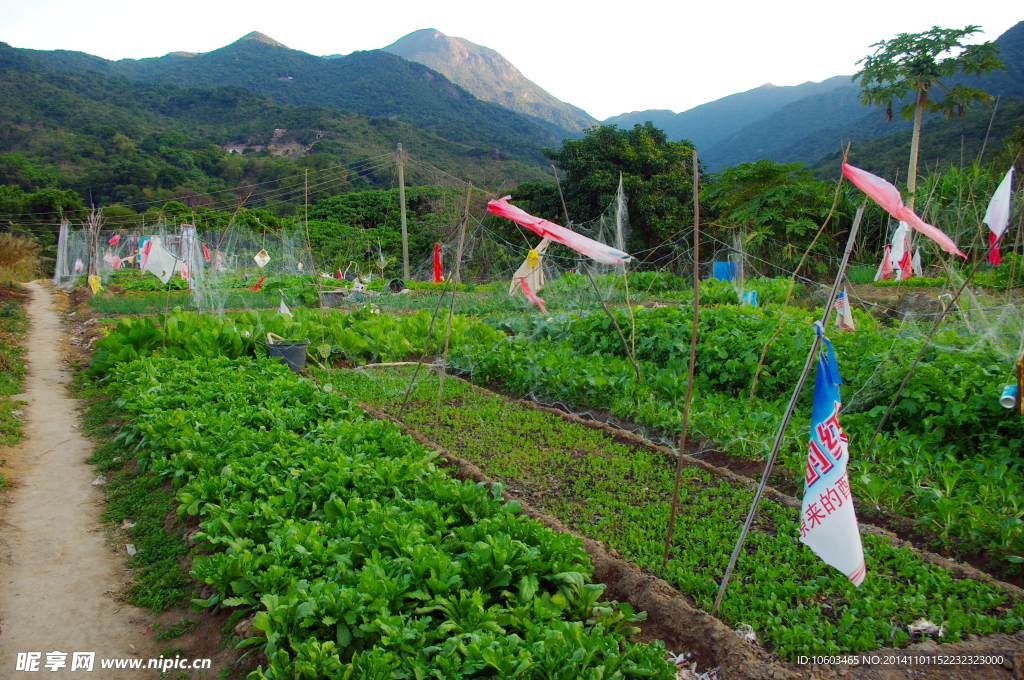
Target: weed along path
[(58, 572)]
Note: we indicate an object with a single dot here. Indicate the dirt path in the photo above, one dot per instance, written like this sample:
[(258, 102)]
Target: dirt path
[(56, 569)]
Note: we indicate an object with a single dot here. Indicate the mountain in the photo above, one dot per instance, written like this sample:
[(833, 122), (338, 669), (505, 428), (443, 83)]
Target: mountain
[(489, 76), (138, 142), (373, 83), (813, 127), (1011, 52), (710, 123)]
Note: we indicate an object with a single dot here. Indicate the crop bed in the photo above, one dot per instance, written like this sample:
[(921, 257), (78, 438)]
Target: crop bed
[(356, 555), (619, 494), (949, 458)]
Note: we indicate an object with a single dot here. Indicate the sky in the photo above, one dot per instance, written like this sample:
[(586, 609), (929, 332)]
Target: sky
[(605, 58)]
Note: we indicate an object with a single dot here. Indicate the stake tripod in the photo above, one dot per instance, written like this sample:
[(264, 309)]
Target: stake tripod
[(789, 409)]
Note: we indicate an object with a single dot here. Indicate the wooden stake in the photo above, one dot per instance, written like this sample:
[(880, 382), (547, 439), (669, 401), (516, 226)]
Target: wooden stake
[(792, 405), (401, 200), (451, 310), (792, 283), (568, 222), (625, 344), (693, 359)]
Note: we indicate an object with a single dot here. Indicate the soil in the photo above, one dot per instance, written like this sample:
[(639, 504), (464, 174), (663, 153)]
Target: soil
[(61, 577)]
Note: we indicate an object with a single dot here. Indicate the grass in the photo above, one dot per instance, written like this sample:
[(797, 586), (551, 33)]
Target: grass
[(13, 327), (159, 582), (19, 259), (620, 494)]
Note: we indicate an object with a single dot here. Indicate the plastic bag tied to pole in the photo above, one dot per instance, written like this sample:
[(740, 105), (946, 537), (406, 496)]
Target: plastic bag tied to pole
[(997, 216), (828, 524), (596, 251), (888, 196), (437, 263), (530, 295)]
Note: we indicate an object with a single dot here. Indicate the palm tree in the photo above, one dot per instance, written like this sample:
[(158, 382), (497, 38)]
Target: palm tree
[(914, 63)]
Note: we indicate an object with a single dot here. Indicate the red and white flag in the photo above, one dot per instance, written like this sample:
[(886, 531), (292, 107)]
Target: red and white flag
[(844, 313), (998, 215), (885, 267)]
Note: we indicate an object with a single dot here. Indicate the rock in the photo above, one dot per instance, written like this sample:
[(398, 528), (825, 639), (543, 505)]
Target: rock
[(917, 305), (245, 629)]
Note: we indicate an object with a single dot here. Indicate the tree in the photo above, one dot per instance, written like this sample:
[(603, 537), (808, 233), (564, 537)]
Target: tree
[(914, 63), (774, 204), (657, 179)]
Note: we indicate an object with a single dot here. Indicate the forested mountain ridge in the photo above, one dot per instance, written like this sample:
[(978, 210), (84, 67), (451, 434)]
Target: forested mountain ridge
[(132, 142), (374, 83), (710, 123), (489, 76), (810, 126)]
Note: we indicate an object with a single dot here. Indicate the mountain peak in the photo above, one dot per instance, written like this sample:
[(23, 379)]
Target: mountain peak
[(263, 38), (488, 76)]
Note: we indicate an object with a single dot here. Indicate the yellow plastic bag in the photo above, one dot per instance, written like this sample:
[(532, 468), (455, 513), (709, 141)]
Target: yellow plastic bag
[(533, 258), (94, 283)]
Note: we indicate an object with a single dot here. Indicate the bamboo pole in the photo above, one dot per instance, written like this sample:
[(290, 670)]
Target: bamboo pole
[(693, 359), (789, 293), (931, 333), (451, 309), (625, 344), (789, 409), (401, 198)]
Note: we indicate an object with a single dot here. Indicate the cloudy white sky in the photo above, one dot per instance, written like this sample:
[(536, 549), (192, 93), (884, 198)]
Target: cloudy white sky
[(605, 58)]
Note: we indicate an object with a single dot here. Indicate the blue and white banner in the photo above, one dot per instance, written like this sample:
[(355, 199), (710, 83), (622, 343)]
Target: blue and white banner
[(828, 524)]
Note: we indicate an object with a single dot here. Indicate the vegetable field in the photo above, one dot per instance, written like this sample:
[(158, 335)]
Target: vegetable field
[(340, 547)]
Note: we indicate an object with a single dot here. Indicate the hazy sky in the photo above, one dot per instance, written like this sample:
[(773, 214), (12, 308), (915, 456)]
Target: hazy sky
[(604, 58)]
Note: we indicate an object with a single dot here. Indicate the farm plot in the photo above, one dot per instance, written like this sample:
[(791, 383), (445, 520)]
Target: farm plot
[(950, 457), (355, 555), (620, 494)]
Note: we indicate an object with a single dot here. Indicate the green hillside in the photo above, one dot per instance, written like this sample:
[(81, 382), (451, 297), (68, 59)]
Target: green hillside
[(373, 83), (143, 143)]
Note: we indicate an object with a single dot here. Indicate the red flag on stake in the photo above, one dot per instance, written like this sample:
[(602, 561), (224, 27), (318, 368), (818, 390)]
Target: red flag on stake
[(437, 263), (581, 244), (114, 239), (206, 253), (257, 286), (888, 196)]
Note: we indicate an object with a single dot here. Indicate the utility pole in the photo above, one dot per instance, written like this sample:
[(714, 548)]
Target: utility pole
[(401, 200)]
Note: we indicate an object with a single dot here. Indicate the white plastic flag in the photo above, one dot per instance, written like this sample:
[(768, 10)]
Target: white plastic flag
[(915, 264), (160, 261), (844, 314), (828, 525), (261, 258)]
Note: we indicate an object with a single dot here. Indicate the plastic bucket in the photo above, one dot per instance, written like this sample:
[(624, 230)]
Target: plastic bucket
[(292, 353)]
